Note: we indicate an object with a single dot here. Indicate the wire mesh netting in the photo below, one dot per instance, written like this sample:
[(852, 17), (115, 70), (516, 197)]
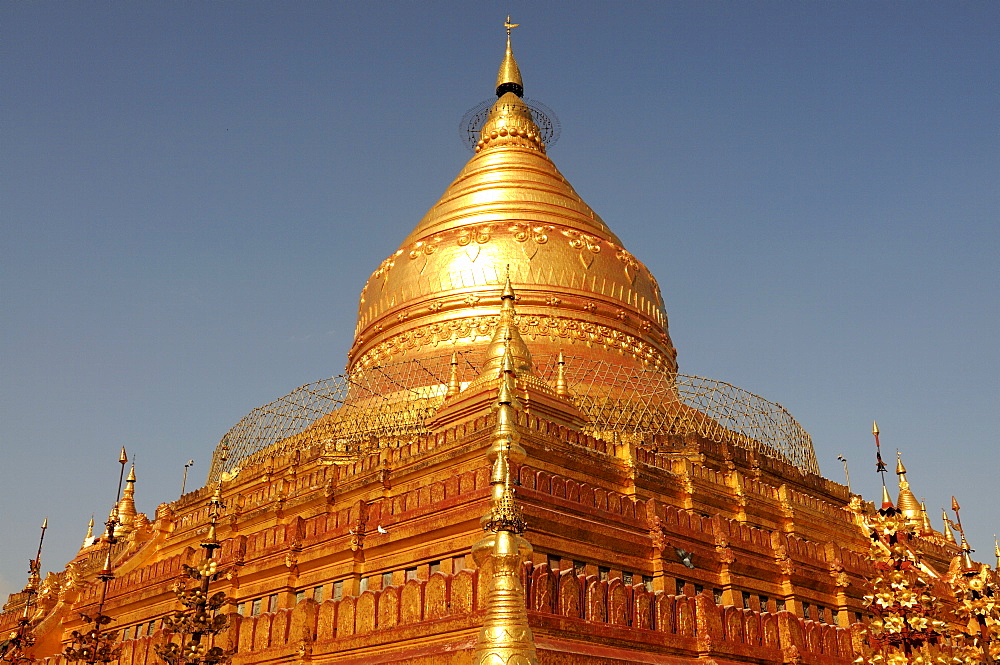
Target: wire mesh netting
[(348, 413)]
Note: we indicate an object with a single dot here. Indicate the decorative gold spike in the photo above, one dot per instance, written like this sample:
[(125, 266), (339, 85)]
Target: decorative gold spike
[(996, 550), (925, 521), (454, 385), (886, 501), (89, 538), (505, 636), (561, 388), (126, 507), (123, 458), (508, 289), (509, 76), (507, 339), (906, 502), (948, 535), (875, 428), (968, 565)]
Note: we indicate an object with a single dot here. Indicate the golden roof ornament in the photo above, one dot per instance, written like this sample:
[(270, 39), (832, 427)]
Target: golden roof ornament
[(967, 565), (454, 385), (948, 535), (505, 636), (996, 551), (126, 506), (880, 467), (925, 521), (509, 76), (906, 502), (88, 540), (561, 388), (510, 205)]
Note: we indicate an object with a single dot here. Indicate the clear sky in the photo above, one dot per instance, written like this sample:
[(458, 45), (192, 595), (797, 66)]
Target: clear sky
[(193, 194)]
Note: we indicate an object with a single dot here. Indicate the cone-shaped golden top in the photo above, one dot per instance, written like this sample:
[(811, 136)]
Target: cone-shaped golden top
[(511, 207), (948, 535), (925, 520), (906, 502), (509, 76)]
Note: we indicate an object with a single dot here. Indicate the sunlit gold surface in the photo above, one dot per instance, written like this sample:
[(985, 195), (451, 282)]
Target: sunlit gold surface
[(510, 208), (505, 636)]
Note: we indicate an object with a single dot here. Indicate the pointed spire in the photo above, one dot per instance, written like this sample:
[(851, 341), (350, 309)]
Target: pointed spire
[(880, 467), (948, 535), (509, 76), (507, 339), (996, 551), (505, 634), (126, 506), (925, 521), (906, 502), (968, 565), (561, 388), (454, 385), (88, 540), (505, 435), (886, 499), (510, 121)]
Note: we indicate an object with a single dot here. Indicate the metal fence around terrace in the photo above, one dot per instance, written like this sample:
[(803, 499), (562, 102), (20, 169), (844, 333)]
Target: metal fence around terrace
[(374, 405)]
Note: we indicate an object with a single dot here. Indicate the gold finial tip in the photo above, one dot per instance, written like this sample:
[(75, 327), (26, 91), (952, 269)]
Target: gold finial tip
[(508, 288), (874, 428), (507, 24), (900, 469), (123, 458), (509, 76)]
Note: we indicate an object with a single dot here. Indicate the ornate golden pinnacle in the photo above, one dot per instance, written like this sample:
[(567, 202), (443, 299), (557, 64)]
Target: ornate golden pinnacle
[(561, 388), (454, 385)]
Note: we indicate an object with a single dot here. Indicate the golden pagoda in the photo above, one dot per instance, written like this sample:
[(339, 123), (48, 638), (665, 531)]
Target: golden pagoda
[(511, 470)]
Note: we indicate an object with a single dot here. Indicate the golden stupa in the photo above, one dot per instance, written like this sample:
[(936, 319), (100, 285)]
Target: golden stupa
[(510, 212), (511, 471)]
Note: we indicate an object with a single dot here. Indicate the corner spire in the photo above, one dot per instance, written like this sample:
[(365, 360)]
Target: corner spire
[(509, 76), (88, 540), (454, 385), (126, 506), (948, 535), (906, 501), (505, 636)]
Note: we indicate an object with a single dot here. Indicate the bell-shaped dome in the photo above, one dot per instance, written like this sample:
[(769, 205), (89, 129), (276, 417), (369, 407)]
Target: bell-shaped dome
[(510, 211)]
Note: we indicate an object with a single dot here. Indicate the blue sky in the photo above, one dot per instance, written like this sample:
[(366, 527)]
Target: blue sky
[(193, 195)]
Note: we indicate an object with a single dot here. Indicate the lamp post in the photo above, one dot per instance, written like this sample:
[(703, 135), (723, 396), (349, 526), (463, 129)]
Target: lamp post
[(200, 619), (187, 466)]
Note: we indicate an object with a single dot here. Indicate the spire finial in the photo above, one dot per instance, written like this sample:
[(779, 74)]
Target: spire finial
[(948, 535), (562, 389), (507, 24), (880, 467), (509, 76), (88, 540), (996, 550), (925, 520), (907, 502), (454, 385), (506, 634)]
